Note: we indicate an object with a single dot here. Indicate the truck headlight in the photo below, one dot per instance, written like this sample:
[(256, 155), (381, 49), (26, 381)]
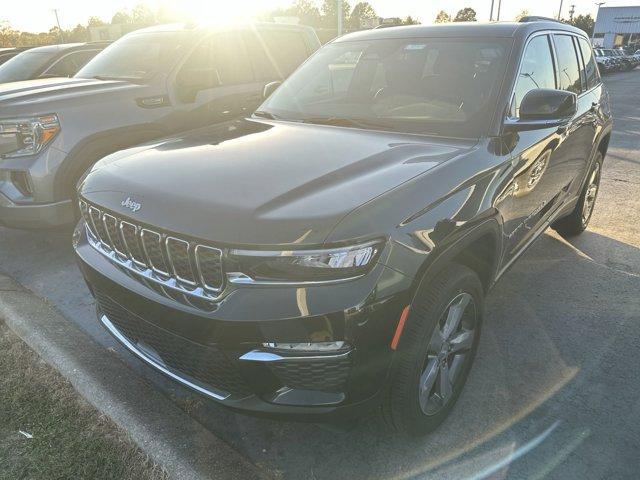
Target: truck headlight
[(20, 137), (300, 266)]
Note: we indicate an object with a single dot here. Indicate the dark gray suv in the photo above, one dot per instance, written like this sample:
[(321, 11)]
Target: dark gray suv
[(149, 84), (331, 254)]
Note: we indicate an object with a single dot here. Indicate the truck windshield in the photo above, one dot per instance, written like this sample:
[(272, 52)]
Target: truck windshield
[(435, 86), (24, 66), (136, 57)]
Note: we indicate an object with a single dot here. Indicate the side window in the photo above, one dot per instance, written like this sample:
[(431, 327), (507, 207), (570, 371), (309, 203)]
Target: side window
[(536, 71), (218, 60), (568, 67), (263, 64), (288, 49), (69, 65), (593, 76)]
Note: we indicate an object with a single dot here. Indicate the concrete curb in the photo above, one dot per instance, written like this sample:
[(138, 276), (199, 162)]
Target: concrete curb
[(162, 430)]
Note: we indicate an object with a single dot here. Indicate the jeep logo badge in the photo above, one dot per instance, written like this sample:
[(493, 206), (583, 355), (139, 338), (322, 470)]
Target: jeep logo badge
[(131, 205)]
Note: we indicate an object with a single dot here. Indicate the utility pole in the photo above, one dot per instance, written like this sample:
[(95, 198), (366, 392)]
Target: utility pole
[(491, 14), (499, 6), (339, 10), (560, 10), (571, 12), (55, 11)]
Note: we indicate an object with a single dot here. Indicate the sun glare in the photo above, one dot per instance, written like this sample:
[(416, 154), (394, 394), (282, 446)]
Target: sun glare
[(212, 12)]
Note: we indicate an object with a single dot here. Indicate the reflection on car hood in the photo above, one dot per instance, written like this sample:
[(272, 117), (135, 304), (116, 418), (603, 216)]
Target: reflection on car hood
[(39, 96), (261, 182)]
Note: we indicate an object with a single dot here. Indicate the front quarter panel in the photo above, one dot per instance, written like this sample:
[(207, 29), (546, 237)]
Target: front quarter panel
[(431, 215)]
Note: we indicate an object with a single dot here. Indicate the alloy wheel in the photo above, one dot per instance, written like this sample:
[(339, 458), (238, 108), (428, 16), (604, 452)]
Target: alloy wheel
[(590, 194), (447, 353)]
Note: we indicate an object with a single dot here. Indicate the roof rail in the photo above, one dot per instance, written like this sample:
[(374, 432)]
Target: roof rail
[(535, 18)]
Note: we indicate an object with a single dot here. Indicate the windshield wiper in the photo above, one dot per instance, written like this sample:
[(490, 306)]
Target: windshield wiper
[(265, 114), (347, 122), (115, 78)]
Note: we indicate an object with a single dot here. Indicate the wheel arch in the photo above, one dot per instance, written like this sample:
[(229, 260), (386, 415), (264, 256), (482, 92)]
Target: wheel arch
[(479, 249)]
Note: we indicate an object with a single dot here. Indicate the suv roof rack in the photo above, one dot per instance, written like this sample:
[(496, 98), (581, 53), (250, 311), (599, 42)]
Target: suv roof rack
[(535, 18)]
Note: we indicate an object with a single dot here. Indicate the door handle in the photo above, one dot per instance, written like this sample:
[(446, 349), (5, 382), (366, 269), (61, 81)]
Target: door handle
[(595, 106)]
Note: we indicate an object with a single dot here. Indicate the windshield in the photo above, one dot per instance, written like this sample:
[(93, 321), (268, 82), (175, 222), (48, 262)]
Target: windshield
[(24, 66), (135, 57), (432, 86)]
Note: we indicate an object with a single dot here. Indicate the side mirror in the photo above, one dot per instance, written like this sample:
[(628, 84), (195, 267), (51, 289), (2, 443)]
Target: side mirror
[(269, 88), (545, 108), (190, 82)]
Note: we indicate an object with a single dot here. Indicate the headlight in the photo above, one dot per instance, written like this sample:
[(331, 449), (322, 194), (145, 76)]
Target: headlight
[(20, 137), (299, 266)]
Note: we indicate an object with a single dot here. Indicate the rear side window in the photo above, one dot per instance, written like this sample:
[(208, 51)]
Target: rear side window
[(288, 49), (536, 71), (568, 67), (591, 70), (69, 65)]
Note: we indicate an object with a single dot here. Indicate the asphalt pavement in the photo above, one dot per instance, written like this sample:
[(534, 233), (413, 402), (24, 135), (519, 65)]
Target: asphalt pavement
[(554, 392)]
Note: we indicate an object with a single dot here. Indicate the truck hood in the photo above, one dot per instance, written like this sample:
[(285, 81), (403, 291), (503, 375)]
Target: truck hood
[(261, 182), (43, 95)]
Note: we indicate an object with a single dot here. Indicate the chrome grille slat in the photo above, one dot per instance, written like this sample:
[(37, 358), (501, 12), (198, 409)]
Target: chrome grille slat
[(179, 268), (179, 254)]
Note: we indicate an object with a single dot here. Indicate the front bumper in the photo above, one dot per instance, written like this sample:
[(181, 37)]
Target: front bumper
[(38, 215), (222, 354)]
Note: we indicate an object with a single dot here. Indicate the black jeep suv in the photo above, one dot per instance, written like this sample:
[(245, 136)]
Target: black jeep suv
[(332, 253)]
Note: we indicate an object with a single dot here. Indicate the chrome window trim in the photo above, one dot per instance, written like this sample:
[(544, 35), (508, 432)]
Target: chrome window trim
[(550, 33), (155, 364)]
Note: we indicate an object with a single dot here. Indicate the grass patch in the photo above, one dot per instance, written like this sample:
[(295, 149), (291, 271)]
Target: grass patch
[(70, 438)]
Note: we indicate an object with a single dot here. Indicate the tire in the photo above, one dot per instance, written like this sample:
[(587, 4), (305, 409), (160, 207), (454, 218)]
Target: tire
[(405, 409), (577, 221)]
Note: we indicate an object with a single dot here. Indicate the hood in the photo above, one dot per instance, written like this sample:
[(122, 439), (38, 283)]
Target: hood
[(44, 94), (261, 182)]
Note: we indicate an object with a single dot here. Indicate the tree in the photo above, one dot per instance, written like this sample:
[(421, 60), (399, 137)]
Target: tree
[(467, 14), (307, 12), (522, 14), (329, 11), (409, 20), (78, 34), (143, 15), (583, 22), (443, 17), (95, 22), (361, 13), (121, 17)]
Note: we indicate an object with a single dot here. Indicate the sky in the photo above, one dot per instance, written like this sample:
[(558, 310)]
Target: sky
[(38, 15)]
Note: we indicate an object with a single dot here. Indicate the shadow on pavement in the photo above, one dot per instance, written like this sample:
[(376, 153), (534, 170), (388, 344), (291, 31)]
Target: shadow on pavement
[(537, 382)]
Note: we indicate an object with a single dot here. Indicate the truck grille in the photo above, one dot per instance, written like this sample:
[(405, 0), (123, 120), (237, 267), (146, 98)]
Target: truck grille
[(171, 262), (194, 363)]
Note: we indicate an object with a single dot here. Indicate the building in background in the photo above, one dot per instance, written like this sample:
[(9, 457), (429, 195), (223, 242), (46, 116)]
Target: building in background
[(617, 26)]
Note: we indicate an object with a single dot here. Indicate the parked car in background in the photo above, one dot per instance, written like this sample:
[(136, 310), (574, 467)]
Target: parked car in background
[(149, 84), (605, 63), (331, 254), (8, 53), (625, 63), (50, 61)]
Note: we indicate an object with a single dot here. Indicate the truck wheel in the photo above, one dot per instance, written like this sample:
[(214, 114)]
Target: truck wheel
[(576, 222), (436, 350)]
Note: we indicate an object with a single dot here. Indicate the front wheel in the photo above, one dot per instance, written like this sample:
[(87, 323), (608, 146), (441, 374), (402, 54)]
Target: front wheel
[(436, 351), (577, 221)]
